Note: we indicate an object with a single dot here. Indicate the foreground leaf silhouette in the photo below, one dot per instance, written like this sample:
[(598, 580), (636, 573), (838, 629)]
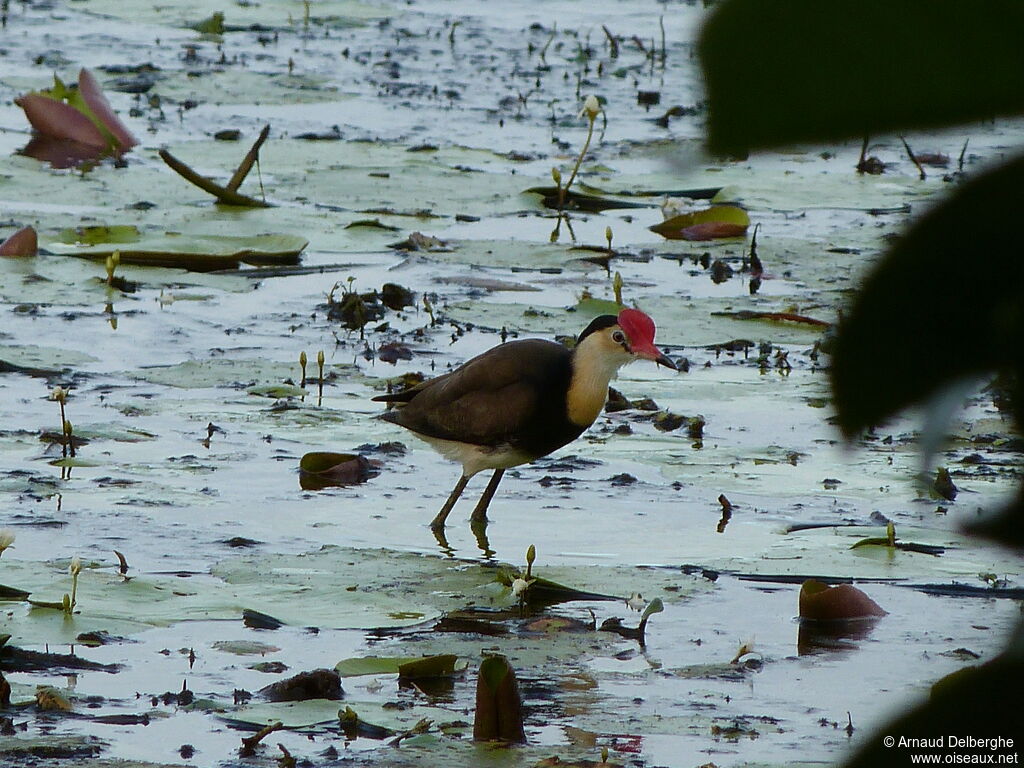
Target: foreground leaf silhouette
[(804, 70)]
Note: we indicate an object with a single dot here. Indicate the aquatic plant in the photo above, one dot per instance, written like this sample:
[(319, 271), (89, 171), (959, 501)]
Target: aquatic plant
[(60, 394), (6, 539), (71, 600)]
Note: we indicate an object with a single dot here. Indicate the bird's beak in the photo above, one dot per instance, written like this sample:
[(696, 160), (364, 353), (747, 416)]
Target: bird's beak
[(650, 352)]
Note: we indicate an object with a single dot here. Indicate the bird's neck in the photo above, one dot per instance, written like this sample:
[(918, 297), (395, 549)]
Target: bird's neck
[(592, 371)]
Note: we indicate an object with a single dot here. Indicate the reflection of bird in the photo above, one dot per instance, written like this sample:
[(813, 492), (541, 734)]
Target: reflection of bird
[(521, 400)]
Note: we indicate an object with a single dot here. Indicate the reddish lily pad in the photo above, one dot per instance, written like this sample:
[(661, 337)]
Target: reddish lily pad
[(820, 602), (24, 242), (718, 221), (80, 114), (323, 469)]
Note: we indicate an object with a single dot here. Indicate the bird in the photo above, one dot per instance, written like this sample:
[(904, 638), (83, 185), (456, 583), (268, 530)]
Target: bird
[(520, 400)]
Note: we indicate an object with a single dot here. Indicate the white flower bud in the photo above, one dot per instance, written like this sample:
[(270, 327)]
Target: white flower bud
[(591, 108), (519, 586), (636, 602)]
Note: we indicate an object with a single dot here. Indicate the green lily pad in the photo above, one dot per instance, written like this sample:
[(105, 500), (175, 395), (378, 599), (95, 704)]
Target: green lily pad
[(707, 224), (277, 391), (373, 665), (100, 233), (291, 714)]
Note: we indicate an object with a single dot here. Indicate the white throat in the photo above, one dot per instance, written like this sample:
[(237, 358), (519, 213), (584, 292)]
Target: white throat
[(593, 369)]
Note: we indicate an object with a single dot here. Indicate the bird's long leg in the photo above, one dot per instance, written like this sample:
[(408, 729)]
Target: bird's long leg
[(480, 511), (438, 521)]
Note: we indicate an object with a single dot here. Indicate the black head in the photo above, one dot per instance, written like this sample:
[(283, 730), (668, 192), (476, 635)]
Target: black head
[(599, 323)]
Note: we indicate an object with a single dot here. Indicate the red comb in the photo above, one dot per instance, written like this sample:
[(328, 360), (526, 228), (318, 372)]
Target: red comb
[(638, 326)]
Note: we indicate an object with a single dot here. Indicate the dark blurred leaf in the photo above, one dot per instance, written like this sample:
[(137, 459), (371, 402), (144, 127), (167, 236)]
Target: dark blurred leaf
[(974, 701), (946, 303), (804, 70)]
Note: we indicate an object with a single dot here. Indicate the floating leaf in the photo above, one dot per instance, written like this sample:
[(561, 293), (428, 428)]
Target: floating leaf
[(99, 107), (12, 593), (718, 221), (428, 667), (101, 233), (82, 115), (373, 665), (60, 121), (589, 306), (774, 317), (277, 391), (547, 592), (821, 602), (315, 684), (499, 714), (198, 253), (576, 201), (873, 66), (321, 469), (211, 25), (24, 242)]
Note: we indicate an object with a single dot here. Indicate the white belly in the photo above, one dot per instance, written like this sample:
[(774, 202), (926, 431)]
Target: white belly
[(476, 458)]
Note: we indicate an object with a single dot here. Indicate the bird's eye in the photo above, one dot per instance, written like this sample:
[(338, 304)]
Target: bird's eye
[(618, 337)]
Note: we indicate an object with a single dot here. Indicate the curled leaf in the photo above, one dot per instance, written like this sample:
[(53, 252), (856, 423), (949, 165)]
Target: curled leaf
[(820, 602), (81, 115), (24, 242), (499, 714), (59, 120), (90, 89), (322, 469)]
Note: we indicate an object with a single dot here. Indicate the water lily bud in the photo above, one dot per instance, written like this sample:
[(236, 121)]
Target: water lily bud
[(302, 359), (745, 648), (636, 602), (76, 566), (320, 358), (608, 235), (519, 586), (6, 539), (591, 108), (531, 554), (557, 176), (67, 428)]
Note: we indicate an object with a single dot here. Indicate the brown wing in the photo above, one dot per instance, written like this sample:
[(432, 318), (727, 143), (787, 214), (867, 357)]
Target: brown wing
[(505, 395)]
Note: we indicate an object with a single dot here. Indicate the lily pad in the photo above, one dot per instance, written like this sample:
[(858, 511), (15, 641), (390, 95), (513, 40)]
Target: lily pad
[(821, 602), (199, 253), (718, 221), (322, 469)]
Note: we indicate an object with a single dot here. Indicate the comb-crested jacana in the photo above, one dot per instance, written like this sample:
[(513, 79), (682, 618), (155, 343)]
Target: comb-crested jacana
[(520, 400)]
